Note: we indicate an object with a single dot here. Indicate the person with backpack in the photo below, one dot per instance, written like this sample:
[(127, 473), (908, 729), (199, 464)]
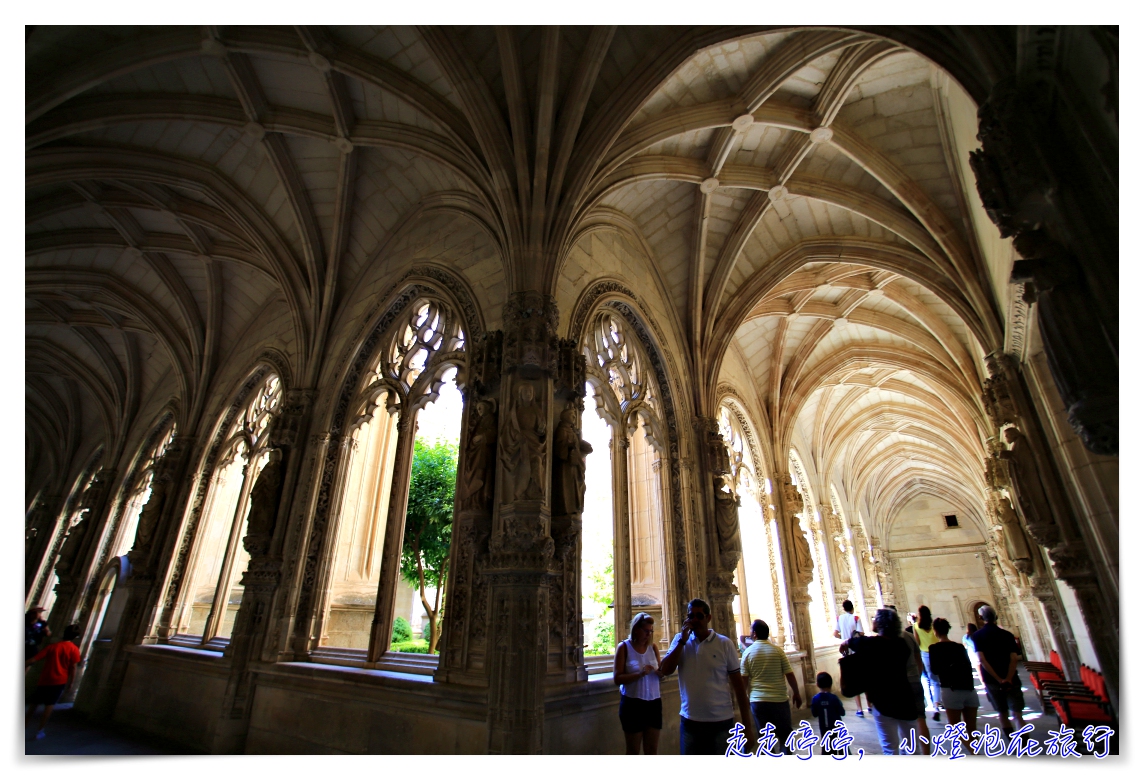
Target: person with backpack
[(36, 631), (848, 625), (60, 662)]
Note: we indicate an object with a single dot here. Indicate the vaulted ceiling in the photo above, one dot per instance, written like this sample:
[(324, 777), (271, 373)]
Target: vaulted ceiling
[(798, 190)]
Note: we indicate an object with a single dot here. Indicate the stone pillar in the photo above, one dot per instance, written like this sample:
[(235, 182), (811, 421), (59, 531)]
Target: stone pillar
[(799, 573), (725, 547), (382, 629), (1060, 628), (1074, 566), (463, 642), (566, 630), (1060, 210), (266, 522), (39, 531), (621, 532), (79, 550), (156, 538), (521, 548)]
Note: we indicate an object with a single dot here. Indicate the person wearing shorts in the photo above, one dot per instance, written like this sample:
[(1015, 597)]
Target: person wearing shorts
[(950, 665), (60, 661), (637, 673), (997, 650)]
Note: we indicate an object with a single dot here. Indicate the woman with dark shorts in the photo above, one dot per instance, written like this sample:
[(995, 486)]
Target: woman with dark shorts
[(950, 664), (637, 673)]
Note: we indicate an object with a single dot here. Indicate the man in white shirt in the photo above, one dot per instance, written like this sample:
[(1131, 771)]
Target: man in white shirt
[(708, 666), (846, 626)]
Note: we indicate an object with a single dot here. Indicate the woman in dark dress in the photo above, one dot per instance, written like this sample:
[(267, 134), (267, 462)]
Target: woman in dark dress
[(888, 690)]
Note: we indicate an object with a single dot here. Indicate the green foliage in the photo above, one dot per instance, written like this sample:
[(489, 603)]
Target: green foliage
[(412, 646), (402, 631), (604, 641), (599, 590), (429, 518)]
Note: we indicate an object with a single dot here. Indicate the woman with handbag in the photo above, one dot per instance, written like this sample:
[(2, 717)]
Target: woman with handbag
[(881, 662)]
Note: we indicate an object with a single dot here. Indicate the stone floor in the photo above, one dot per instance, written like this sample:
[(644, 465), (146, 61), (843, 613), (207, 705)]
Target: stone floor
[(70, 733)]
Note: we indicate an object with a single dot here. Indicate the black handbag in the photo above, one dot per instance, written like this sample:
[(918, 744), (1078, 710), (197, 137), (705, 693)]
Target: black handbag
[(853, 672)]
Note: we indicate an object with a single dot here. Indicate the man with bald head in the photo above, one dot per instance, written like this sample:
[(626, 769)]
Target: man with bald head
[(999, 655)]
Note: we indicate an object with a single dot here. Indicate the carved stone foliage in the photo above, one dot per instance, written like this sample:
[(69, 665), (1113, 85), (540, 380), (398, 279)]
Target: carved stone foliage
[(91, 505), (1018, 171), (530, 332)]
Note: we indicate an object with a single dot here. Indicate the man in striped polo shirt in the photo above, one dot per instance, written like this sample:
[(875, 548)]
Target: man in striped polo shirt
[(764, 667)]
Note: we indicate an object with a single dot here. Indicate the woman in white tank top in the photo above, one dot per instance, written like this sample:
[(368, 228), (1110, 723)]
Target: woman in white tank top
[(637, 673)]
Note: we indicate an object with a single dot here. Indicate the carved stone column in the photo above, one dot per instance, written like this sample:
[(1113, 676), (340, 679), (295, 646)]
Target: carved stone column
[(79, 549), (621, 533), (1058, 623), (724, 542), (565, 628), (1074, 566), (39, 531), (266, 521), (521, 547), (156, 537), (799, 573), (463, 642), (1061, 212), (382, 628)]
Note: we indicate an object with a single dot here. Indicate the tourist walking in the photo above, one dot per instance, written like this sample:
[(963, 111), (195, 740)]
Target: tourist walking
[(847, 625), (827, 707), (925, 636), (637, 673), (60, 660), (884, 659), (998, 655), (949, 663), (708, 666), (768, 673), (914, 669)]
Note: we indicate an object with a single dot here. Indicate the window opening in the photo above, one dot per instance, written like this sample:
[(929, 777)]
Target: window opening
[(597, 562), (951, 521)]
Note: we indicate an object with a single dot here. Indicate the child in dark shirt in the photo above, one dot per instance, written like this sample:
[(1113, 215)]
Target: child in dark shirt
[(827, 707)]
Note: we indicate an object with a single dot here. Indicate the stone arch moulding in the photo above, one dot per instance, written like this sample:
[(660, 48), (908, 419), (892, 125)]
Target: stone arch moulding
[(625, 304), (419, 282), (267, 363)]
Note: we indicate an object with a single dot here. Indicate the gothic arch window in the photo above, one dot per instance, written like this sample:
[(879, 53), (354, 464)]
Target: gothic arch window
[(72, 514), (210, 596), (137, 493), (413, 378), (624, 509), (756, 578)]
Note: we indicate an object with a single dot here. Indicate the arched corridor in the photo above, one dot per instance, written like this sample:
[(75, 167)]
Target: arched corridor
[(775, 317)]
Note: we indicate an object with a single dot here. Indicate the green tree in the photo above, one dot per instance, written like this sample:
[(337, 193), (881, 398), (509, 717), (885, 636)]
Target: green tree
[(429, 526), (402, 632), (600, 590)]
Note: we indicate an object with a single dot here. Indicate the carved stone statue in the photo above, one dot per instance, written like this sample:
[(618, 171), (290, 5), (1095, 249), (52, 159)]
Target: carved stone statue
[(569, 452), (1014, 536), (869, 569), (477, 472), (804, 563), (1027, 487), (727, 518), (151, 512), (523, 455), (263, 513)]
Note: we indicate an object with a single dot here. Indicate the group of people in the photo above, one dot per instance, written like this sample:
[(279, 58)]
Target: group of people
[(60, 662), (715, 679), (894, 661)]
